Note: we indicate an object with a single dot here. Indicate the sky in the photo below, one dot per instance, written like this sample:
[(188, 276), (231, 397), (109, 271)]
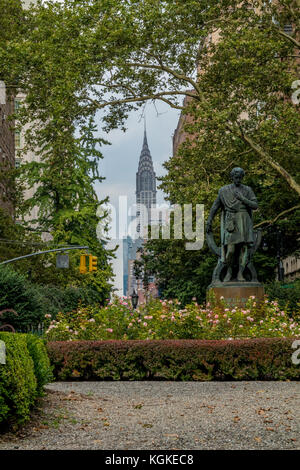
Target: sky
[(120, 162)]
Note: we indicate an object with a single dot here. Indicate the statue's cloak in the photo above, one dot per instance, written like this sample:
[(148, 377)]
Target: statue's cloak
[(236, 217)]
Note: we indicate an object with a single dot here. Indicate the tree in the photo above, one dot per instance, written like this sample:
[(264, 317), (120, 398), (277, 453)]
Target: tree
[(67, 163), (115, 55)]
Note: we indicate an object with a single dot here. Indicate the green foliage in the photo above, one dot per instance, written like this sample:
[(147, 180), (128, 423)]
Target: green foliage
[(287, 294), (32, 301), (179, 273), (168, 320), (253, 359), (42, 368), (18, 294), (18, 384), (80, 57)]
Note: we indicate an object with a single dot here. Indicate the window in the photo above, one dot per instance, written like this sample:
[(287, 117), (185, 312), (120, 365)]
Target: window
[(17, 139), (288, 29), (17, 104)]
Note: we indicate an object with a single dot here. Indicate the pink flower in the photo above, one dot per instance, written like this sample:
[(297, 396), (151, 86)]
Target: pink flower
[(110, 330), (261, 321), (216, 316), (241, 326), (145, 323)]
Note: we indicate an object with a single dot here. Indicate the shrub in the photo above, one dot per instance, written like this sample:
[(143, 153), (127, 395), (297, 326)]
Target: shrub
[(42, 368), (197, 360), (18, 384), (18, 294), (57, 299), (32, 302), (168, 320), (287, 295)]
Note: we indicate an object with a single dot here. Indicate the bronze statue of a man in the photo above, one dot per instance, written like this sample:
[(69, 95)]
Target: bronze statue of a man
[(236, 202)]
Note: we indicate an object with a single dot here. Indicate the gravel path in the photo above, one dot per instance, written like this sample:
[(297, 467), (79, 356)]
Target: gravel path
[(164, 416)]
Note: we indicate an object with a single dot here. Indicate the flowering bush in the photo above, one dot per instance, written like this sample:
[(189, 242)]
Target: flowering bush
[(166, 319)]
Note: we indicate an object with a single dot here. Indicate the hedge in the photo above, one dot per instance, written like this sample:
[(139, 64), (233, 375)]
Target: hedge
[(42, 367), (22, 376), (196, 360)]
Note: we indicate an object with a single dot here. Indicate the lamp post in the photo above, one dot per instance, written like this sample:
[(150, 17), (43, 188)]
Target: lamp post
[(134, 299), (275, 230)]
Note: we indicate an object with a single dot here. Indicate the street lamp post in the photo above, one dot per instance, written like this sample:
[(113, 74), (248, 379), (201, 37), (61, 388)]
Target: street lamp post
[(134, 299)]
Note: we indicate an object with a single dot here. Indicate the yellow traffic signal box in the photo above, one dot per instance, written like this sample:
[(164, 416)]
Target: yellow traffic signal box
[(82, 266), (93, 263)]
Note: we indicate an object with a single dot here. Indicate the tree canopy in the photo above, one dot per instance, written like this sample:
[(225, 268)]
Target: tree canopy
[(234, 63)]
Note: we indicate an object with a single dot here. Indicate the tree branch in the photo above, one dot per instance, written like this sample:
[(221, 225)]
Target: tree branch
[(133, 99), (267, 157), (272, 221), (171, 72), (290, 38)]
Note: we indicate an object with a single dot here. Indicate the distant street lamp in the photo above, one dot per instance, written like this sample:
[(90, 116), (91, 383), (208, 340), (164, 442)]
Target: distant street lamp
[(134, 299)]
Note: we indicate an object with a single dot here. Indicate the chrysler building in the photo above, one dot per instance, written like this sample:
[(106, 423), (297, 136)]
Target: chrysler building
[(145, 186)]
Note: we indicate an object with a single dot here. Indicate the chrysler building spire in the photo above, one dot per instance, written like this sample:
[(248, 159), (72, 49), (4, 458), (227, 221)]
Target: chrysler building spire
[(145, 181)]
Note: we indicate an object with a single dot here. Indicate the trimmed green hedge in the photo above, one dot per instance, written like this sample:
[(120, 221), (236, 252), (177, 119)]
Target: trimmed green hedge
[(196, 360), (39, 355), (22, 378)]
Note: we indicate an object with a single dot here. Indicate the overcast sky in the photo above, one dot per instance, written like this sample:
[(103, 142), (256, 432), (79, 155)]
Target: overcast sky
[(120, 162)]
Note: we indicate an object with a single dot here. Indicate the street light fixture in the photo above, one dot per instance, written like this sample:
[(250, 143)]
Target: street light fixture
[(134, 299)]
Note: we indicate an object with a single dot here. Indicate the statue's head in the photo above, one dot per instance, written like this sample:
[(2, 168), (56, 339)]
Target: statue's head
[(237, 174)]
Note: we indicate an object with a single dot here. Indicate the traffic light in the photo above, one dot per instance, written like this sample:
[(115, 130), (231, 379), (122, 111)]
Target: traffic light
[(92, 263), (82, 266)]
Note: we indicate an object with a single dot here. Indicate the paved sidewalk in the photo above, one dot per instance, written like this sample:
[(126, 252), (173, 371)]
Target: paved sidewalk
[(163, 415)]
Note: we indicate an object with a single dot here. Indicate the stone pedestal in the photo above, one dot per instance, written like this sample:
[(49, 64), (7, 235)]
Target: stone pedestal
[(237, 293)]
